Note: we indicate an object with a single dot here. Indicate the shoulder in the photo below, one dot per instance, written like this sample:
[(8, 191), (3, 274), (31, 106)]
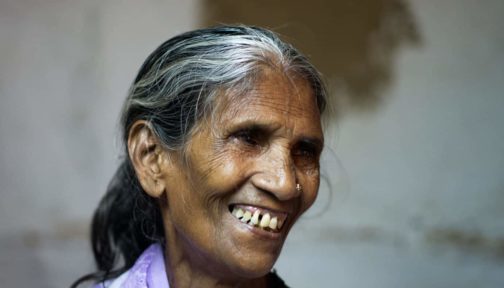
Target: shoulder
[(148, 271), (114, 283)]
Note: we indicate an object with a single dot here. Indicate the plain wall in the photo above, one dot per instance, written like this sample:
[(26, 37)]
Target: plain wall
[(424, 171), (65, 68)]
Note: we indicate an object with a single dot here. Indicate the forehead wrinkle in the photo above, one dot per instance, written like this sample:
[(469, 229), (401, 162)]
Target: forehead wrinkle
[(261, 98), (294, 87), (281, 96), (285, 107)]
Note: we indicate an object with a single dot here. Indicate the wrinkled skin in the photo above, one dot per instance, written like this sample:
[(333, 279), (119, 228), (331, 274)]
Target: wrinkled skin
[(253, 151)]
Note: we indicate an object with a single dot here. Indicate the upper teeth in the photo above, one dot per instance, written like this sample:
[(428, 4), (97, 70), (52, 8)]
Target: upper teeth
[(255, 219), (246, 217), (266, 221)]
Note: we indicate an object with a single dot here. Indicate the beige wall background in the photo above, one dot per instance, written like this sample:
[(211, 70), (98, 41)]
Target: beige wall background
[(415, 194)]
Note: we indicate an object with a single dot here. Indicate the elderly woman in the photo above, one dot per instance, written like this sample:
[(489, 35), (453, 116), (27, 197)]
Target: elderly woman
[(222, 132)]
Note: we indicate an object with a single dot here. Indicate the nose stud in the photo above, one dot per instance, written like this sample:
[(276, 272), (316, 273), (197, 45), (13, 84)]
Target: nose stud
[(299, 188)]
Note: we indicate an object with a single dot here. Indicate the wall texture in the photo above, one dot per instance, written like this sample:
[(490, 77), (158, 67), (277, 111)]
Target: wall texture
[(417, 185), (65, 68), (425, 201)]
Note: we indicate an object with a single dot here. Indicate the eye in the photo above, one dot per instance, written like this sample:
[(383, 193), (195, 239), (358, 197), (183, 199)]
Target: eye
[(306, 150), (306, 154), (249, 137)]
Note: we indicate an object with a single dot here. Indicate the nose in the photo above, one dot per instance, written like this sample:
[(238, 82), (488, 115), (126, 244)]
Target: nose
[(276, 174)]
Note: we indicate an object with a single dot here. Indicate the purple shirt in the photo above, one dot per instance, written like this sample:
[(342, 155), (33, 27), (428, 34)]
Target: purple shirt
[(147, 272)]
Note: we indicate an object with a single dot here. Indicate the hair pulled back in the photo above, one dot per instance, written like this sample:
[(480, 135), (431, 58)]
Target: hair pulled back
[(176, 86)]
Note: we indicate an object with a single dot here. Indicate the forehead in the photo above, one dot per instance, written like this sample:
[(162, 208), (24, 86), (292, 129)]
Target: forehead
[(273, 96)]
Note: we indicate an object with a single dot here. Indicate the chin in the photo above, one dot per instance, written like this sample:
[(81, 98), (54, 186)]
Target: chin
[(254, 267)]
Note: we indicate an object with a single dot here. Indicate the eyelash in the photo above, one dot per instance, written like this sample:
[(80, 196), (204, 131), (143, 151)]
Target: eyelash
[(248, 137), (306, 150), (252, 138)]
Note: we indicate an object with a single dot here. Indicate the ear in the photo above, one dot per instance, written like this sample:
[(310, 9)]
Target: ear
[(147, 157)]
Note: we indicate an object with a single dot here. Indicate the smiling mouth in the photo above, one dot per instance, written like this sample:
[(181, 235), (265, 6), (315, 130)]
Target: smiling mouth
[(259, 217)]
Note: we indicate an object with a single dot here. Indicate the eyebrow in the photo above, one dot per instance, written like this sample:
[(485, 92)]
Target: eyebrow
[(257, 125), (316, 142)]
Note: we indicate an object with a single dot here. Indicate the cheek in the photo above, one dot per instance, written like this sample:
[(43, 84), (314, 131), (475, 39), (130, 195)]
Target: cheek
[(227, 171), (310, 192)]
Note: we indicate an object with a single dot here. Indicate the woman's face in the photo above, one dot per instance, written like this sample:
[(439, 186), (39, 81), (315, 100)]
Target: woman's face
[(241, 167)]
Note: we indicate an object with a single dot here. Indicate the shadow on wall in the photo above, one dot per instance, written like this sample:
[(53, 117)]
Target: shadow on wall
[(352, 43)]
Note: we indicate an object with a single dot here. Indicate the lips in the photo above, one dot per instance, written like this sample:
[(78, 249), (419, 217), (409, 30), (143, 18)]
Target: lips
[(258, 217)]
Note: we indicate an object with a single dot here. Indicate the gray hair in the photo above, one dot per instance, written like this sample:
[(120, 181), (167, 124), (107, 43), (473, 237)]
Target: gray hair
[(176, 87), (180, 80)]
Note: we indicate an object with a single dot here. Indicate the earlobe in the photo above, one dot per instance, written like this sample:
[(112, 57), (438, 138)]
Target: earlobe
[(146, 155)]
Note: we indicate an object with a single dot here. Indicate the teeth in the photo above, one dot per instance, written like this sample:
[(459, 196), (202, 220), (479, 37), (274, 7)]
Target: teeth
[(252, 218), (246, 216), (255, 219), (280, 224), (273, 223), (238, 213), (265, 221)]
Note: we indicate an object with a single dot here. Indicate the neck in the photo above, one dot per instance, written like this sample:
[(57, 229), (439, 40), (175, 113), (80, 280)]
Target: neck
[(186, 268), (183, 274)]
